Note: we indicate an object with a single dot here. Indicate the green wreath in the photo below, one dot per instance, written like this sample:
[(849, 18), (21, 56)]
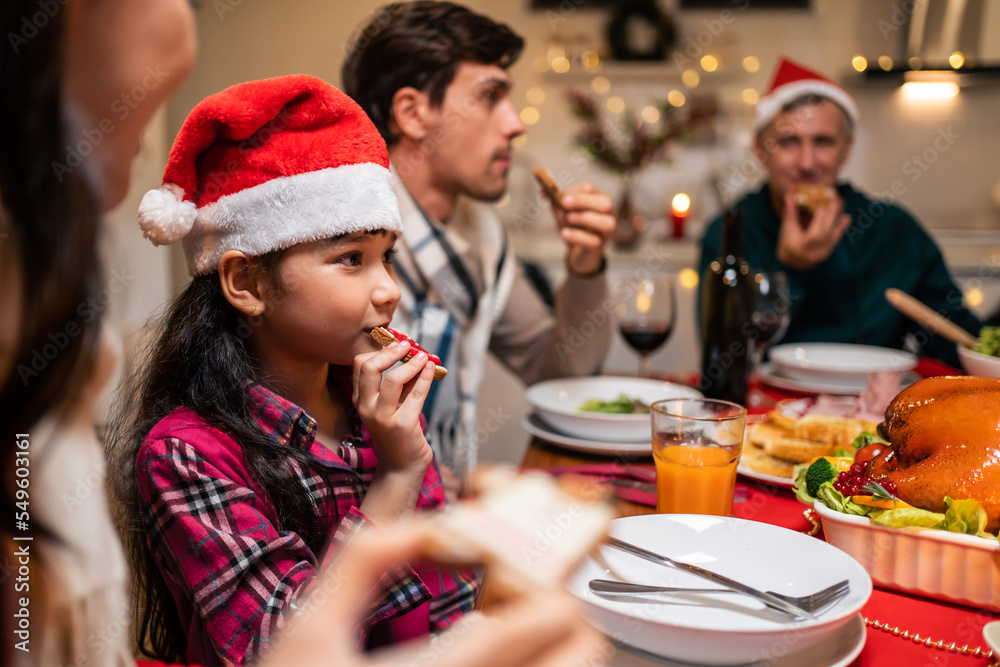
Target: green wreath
[(649, 13)]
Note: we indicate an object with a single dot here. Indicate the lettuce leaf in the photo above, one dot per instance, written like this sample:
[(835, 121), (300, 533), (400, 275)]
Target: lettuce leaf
[(962, 516), (835, 500), (866, 438), (799, 485), (965, 516), (904, 517)]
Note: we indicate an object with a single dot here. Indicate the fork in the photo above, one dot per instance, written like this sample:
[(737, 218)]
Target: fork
[(808, 603)]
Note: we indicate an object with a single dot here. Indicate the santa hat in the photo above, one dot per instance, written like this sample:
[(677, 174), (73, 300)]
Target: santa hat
[(792, 81), (265, 165)]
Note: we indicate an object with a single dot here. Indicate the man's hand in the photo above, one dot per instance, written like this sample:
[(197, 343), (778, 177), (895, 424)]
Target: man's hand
[(586, 219), (804, 249)]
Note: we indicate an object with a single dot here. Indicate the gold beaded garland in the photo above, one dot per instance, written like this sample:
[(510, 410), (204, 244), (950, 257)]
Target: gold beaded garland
[(930, 643)]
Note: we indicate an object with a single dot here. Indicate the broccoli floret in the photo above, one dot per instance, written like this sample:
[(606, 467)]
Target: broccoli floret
[(820, 471)]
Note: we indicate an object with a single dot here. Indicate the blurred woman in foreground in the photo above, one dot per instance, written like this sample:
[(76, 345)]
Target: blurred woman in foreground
[(81, 81)]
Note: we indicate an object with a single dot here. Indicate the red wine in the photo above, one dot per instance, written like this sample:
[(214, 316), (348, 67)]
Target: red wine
[(727, 308), (644, 338)]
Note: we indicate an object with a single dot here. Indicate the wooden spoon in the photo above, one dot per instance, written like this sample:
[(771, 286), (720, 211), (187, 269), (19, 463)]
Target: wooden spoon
[(923, 315)]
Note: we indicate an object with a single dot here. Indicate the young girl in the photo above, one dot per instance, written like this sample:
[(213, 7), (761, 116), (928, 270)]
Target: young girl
[(264, 433)]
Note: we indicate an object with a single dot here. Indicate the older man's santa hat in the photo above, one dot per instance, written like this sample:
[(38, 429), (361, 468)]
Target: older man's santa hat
[(265, 165), (792, 81)]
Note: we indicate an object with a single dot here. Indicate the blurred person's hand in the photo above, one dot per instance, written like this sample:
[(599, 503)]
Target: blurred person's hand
[(586, 220), (541, 629)]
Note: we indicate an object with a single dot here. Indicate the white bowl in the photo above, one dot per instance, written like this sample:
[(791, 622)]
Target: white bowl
[(977, 363), (839, 362), (934, 563), (558, 404), (722, 628)]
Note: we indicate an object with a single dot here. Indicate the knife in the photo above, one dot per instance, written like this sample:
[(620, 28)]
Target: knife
[(630, 484), (771, 601)]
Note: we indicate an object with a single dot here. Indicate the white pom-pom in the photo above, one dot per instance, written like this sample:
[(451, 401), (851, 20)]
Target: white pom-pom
[(164, 216)]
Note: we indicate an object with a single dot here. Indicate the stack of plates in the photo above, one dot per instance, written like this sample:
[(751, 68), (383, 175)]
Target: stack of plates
[(558, 419), (726, 628), (833, 368)]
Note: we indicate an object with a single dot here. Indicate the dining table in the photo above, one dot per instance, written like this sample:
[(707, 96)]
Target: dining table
[(902, 628)]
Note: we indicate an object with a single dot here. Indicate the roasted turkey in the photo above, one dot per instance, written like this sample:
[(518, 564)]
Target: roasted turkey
[(944, 436)]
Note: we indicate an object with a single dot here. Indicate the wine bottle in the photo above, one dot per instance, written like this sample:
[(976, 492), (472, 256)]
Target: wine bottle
[(727, 305)]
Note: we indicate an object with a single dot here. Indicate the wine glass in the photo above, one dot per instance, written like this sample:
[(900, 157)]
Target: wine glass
[(770, 318), (646, 315)]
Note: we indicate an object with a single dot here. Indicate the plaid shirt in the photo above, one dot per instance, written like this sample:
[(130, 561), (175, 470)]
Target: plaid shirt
[(217, 540)]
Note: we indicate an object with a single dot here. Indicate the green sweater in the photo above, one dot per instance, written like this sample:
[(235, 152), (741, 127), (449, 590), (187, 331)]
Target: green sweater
[(842, 300)]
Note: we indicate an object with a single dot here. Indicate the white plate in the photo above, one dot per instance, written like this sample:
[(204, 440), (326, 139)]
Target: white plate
[(840, 650), (783, 482), (726, 628), (774, 377), (838, 362), (536, 427), (558, 403)]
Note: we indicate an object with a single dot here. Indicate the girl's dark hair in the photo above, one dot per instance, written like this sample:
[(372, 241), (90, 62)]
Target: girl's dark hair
[(49, 227), (203, 361), (420, 44)]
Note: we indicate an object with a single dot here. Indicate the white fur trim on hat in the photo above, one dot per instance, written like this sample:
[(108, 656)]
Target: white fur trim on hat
[(287, 210), (164, 216), (770, 105)]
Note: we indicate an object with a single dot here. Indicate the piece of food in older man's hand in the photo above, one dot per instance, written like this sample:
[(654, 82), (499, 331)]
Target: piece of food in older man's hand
[(811, 197), (385, 336), (944, 435)]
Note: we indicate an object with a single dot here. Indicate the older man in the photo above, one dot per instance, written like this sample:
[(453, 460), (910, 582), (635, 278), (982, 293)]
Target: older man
[(433, 77), (840, 250)]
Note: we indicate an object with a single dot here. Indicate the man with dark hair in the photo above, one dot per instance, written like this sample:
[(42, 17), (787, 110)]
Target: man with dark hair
[(840, 249), (433, 78)]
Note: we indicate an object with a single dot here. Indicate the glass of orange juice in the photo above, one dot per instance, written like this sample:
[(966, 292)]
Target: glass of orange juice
[(696, 446)]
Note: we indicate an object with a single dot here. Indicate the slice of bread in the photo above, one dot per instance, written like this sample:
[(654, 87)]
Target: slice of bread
[(761, 434), (837, 431), (779, 419), (798, 450), (755, 458), (813, 196)]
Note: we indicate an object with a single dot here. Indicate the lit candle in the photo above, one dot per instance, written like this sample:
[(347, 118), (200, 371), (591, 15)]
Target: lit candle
[(680, 207)]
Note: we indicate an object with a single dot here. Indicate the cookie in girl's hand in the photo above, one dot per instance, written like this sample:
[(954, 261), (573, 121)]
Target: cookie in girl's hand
[(385, 336)]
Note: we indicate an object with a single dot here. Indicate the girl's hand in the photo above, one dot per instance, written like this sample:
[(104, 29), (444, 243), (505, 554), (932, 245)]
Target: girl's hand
[(390, 406)]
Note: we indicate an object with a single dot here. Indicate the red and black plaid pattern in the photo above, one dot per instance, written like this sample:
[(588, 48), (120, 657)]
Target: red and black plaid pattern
[(216, 538)]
